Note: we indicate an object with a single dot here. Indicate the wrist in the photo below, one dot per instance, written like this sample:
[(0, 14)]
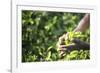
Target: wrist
[(77, 30)]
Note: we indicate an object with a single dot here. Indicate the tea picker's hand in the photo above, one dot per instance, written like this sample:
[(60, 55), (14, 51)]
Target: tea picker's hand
[(79, 45), (61, 42)]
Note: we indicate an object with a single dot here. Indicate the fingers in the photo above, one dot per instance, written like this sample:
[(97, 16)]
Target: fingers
[(62, 46), (62, 39)]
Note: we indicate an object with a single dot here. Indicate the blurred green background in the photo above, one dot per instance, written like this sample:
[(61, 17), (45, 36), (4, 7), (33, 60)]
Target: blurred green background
[(41, 31)]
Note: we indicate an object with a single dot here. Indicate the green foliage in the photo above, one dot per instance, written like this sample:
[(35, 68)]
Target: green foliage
[(40, 33), (77, 55), (79, 35)]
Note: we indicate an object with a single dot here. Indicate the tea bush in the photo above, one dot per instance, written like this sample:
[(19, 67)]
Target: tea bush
[(41, 31)]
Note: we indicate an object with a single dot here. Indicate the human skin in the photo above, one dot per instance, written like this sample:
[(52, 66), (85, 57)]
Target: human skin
[(82, 26)]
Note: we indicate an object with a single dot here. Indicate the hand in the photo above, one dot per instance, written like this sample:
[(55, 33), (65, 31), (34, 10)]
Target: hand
[(61, 43), (79, 45)]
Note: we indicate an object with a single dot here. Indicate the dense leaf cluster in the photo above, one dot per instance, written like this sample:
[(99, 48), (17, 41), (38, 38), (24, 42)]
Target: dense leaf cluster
[(77, 46)]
